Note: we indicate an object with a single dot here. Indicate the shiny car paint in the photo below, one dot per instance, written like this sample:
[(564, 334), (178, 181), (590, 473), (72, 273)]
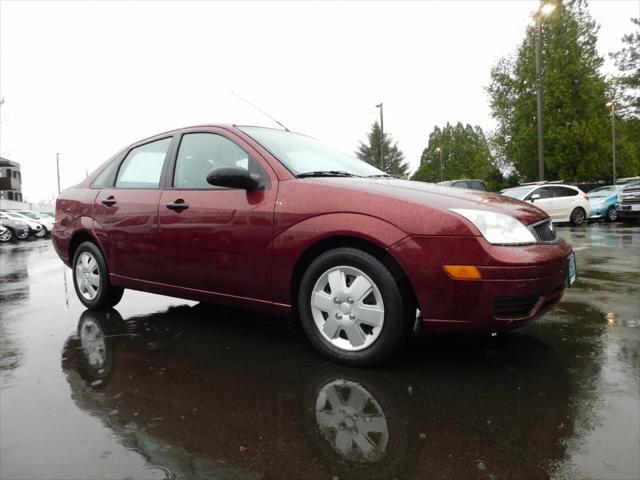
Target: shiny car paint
[(600, 204), (20, 229), (248, 249)]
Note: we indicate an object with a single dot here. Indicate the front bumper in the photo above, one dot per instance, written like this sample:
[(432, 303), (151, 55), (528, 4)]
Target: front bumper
[(628, 211), (510, 275)]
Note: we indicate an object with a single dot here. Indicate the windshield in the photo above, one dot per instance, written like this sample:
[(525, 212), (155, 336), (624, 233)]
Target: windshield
[(30, 215), (519, 192), (603, 191), (304, 155)]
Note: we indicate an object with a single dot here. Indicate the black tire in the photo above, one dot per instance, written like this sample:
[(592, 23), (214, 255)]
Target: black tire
[(7, 236), (578, 217), (611, 215), (107, 295), (396, 325)]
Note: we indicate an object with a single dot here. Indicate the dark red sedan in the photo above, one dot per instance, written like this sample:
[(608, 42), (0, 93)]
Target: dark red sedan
[(276, 221)]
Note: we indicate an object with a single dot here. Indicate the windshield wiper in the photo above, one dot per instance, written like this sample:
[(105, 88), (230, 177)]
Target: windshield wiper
[(381, 175), (326, 173)]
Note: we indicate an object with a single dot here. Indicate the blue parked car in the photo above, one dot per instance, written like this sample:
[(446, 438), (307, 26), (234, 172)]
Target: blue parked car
[(603, 202)]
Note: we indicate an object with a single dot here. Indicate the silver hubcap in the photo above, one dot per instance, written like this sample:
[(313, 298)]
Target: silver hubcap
[(613, 214), (5, 236), (87, 276), (93, 346), (347, 308), (352, 421)]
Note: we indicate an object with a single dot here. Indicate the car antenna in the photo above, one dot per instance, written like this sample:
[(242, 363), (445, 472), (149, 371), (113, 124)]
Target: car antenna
[(260, 110)]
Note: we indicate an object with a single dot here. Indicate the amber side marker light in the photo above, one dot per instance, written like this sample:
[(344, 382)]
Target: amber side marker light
[(462, 272)]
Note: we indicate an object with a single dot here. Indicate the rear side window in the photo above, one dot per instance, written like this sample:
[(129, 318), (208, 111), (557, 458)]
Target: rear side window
[(460, 185), (563, 192), (143, 166), (106, 176)]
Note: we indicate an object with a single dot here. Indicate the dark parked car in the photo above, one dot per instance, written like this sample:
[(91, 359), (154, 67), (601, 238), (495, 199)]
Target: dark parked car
[(276, 221), (470, 184), (17, 230)]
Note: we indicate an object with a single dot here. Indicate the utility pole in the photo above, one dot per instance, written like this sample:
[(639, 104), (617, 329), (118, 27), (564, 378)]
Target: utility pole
[(381, 137), (539, 101), (58, 169), (544, 10), (613, 136), (438, 149)]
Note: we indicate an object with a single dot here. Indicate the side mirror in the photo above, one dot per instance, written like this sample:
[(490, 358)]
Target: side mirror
[(232, 177), (535, 197)]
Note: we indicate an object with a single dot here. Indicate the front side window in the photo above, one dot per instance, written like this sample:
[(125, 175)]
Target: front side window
[(143, 166), (544, 192), (200, 153)]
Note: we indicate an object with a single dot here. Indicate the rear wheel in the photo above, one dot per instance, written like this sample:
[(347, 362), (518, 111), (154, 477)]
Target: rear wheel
[(41, 233), (6, 236), (91, 278), (611, 215), (351, 308), (578, 216)]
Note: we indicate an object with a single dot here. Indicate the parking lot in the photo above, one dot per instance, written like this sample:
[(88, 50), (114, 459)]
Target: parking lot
[(165, 388)]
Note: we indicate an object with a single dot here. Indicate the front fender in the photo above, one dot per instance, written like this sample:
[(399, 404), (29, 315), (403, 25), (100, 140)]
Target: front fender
[(290, 244)]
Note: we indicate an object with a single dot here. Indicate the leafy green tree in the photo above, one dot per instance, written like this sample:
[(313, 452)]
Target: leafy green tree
[(576, 120), (465, 154), (627, 83), (394, 163)]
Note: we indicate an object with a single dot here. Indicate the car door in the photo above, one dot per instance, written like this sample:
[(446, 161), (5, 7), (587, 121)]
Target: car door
[(126, 212), (544, 202), (216, 239), (565, 201)]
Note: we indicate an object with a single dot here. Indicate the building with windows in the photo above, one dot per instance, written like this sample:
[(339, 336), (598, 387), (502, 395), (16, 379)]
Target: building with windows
[(10, 180)]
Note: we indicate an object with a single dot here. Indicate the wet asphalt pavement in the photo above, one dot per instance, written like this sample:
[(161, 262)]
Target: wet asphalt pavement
[(165, 388)]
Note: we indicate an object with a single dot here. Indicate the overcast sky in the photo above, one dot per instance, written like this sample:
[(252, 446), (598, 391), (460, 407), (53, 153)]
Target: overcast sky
[(87, 78)]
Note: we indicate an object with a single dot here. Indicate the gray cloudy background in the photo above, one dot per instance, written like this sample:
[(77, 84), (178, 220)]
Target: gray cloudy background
[(85, 79)]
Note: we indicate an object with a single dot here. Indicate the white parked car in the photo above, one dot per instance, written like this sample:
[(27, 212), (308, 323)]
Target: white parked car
[(46, 220), (35, 227), (563, 203)]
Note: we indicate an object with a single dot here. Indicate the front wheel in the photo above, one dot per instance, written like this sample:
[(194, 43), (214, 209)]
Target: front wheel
[(6, 236), (351, 308), (578, 216), (40, 233), (91, 279), (611, 215)]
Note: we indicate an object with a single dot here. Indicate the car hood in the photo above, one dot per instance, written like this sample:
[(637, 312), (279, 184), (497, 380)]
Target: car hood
[(440, 197)]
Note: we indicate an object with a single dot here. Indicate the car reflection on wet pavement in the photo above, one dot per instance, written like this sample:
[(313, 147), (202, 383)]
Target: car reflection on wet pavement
[(165, 388)]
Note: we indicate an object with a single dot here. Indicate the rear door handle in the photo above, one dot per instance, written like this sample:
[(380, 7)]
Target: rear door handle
[(178, 205), (109, 201)]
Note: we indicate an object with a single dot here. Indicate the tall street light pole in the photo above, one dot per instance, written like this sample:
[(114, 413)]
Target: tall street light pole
[(613, 136), (381, 136), (58, 170), (545, 9), (438, 149)]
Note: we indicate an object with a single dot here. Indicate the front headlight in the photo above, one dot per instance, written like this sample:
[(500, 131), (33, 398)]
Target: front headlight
[(497, 228)]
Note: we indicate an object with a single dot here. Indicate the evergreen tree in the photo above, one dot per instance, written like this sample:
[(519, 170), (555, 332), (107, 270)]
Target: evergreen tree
[(576, 120), (394, 163), (465, 154), (627, 83)]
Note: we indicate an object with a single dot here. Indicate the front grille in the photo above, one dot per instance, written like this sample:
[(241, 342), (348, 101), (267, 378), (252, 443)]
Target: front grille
[(514, 307), (630, 195), (544, 231)]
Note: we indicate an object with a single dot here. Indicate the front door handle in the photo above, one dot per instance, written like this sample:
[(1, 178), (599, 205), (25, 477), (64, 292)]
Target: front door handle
[(109, 201), (178, 205)]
